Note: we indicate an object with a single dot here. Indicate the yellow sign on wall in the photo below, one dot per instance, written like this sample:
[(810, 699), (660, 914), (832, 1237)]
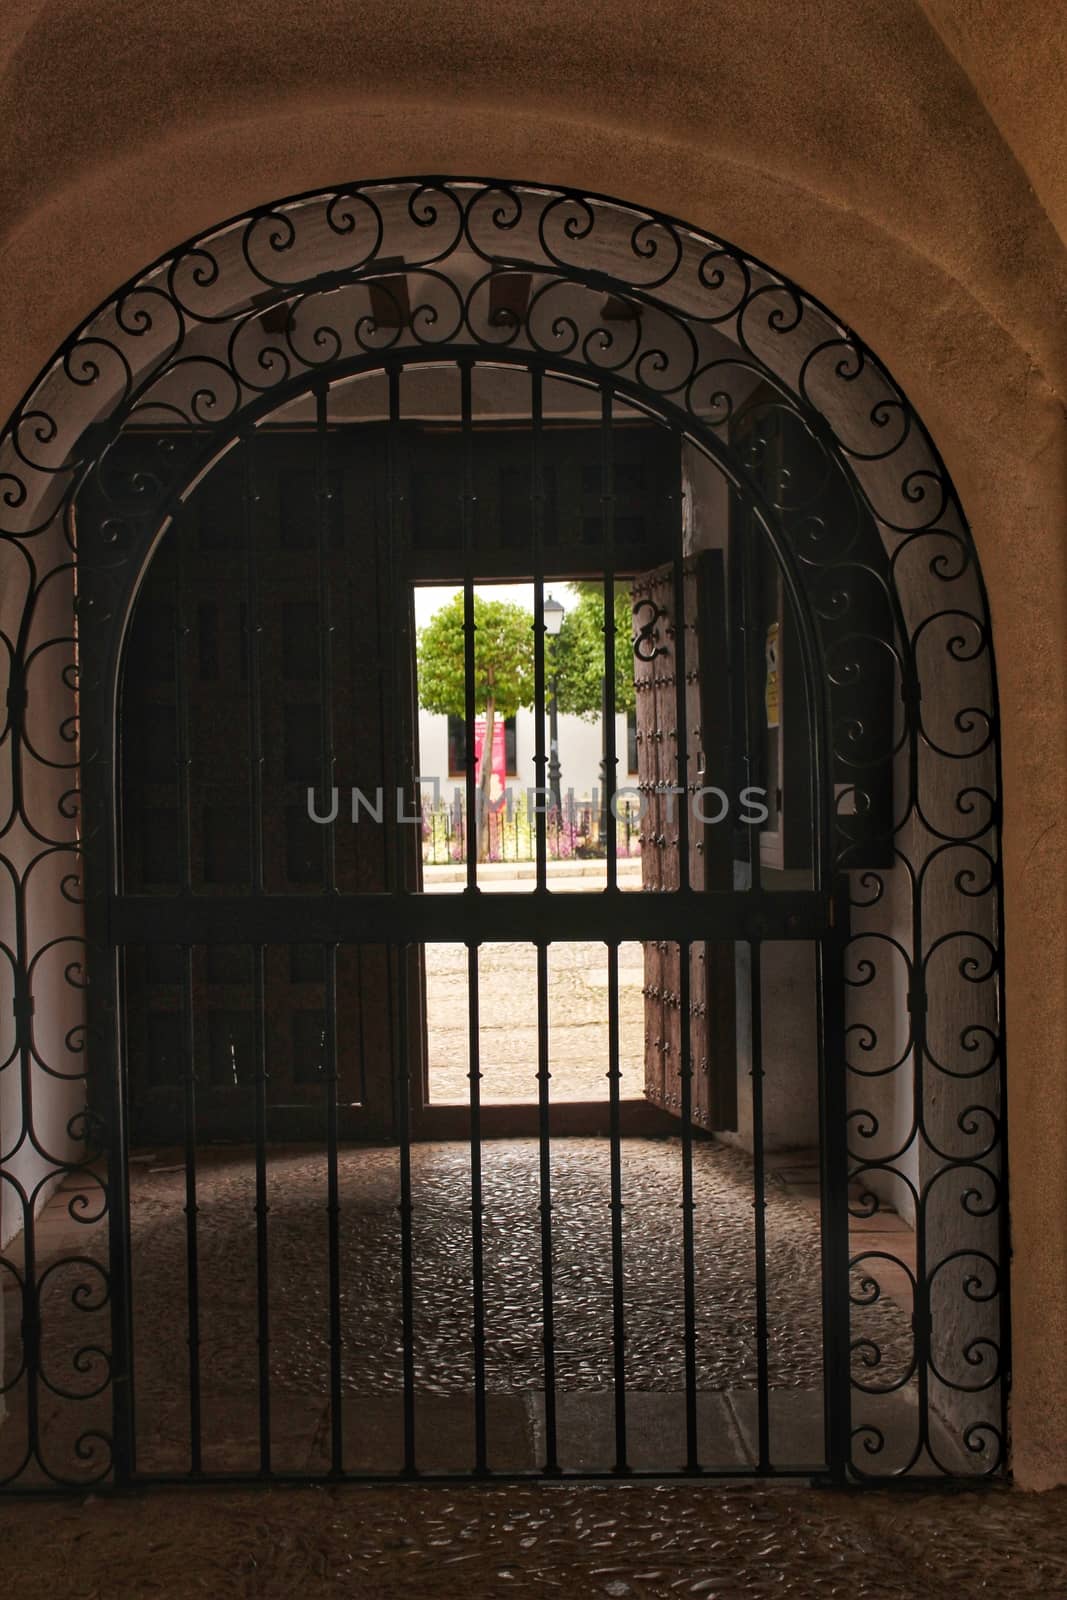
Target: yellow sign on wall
[(770, 693)]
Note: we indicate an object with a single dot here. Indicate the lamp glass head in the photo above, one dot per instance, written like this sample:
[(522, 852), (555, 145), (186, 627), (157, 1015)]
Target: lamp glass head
[(553, 616)]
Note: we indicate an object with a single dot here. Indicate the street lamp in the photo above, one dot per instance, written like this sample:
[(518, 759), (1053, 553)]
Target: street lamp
[(553, 614)]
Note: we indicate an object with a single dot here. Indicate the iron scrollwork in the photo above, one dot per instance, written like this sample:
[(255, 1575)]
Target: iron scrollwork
[(325, 287)]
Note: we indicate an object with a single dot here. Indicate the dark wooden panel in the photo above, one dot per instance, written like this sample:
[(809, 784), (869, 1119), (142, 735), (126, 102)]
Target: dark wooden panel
[(707, 869)]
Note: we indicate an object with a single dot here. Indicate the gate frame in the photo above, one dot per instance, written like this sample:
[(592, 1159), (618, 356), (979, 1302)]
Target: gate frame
[(130, 314)]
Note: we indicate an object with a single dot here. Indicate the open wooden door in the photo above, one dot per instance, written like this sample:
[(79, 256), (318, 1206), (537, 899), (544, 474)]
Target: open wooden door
[(710, 863)]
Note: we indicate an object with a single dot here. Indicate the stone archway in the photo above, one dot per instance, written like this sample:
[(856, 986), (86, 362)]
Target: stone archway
[(243, 320)]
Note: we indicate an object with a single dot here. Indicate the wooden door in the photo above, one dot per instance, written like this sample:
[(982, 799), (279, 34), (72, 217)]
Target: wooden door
[(709, 863), (189, 665)]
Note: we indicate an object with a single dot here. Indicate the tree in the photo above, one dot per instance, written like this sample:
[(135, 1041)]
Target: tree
[(503, 671), (578, 662), (578, 653)]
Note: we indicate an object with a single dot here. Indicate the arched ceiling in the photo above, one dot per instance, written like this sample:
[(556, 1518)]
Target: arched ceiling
[(131, 126)]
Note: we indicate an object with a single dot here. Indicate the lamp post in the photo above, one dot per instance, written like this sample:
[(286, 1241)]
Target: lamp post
[(553, 614), (607, 709)]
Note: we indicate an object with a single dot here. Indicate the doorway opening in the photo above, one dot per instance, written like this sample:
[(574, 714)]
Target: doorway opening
[(508, 800)]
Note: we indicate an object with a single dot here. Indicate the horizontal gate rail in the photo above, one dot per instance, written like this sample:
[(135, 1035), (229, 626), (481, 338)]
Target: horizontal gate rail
[(469, 917)]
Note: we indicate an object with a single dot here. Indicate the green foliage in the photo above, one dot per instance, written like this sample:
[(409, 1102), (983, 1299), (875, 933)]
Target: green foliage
[(503, 658), (578, 653)]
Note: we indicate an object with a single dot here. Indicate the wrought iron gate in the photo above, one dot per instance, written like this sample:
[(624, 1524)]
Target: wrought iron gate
[(248, 531)]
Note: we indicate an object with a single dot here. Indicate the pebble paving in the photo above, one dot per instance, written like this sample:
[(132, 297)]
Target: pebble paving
[(298, 1354), (442, 1247), (626, 1541), (621, 1542), (297, 1357)]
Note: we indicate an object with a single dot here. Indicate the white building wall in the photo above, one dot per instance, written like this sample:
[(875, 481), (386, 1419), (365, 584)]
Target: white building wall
[(580, 749)]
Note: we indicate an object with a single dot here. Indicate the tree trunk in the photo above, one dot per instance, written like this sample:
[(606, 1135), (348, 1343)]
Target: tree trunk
[(486, 787)]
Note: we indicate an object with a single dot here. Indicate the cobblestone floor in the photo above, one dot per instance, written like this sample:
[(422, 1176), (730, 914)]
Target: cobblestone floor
[(507, 992), (370, 1275), (621, 1542), (370, 1241)]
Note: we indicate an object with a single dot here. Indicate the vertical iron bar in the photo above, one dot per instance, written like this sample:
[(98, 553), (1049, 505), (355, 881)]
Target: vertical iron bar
[(124, 1421), (259, 1049), (125, 1407), (477, 1210), (407, 1288), (759, 1202), (262, 1208), (114, 1005), (688, 1207), (617, 1283), (833, 1093), (185, 869), (474, 1075), (607, 512), (333, 1208), (475, 823), (31, 1322), (685, 1065), (921, 1318), (192, 1256), (752, 717), (549, 1331), (537, 501), (396, 612), (254, 630), (752, 646), (607, 502), (324, 499)]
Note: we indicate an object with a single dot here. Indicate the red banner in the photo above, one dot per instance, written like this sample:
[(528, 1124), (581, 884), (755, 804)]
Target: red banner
[(498, 781)]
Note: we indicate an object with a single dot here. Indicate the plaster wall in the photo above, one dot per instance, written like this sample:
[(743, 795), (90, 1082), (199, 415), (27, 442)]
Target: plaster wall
[(904, 163)]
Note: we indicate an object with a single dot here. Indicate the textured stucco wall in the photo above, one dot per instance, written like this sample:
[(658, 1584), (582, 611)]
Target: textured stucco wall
[(903, 162)]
